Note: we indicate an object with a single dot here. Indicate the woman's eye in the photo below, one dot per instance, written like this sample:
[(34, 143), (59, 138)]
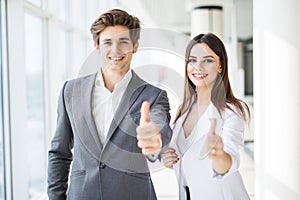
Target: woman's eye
[(208, 61), (192, 60)]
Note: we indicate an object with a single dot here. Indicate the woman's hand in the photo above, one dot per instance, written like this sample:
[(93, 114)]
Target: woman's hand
[(221, 160), (214, 143), (170, 158)]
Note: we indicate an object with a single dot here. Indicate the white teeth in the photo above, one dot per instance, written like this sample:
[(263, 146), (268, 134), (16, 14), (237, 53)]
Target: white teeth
[(116, 58), (200, 75)]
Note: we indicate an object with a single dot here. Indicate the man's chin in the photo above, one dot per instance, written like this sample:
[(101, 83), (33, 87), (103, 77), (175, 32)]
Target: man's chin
[(119, 69)]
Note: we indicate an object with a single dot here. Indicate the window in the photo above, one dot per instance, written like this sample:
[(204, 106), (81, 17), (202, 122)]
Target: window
[(48, 41), (1, 129), (36, 2), (36, 159), (2, 164), (58, 8)]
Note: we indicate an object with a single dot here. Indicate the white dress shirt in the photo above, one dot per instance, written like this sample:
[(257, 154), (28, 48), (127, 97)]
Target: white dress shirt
[(195, 170), (105, 103)]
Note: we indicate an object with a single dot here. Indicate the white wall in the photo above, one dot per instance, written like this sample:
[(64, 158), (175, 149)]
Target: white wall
[(276, 99)]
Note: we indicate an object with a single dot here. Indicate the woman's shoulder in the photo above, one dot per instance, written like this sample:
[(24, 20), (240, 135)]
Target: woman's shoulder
[(232, 111)]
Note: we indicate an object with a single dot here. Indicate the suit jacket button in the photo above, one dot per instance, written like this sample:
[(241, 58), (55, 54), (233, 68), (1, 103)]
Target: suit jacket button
[(102, 165)]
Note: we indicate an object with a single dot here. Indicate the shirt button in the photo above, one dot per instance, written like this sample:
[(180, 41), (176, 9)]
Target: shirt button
[(102, 165)]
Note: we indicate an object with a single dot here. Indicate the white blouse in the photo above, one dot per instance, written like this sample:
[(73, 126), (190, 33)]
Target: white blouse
[(195, 170)]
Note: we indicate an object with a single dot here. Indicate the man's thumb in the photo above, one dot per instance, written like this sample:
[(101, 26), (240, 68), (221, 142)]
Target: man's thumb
[(145, 109)]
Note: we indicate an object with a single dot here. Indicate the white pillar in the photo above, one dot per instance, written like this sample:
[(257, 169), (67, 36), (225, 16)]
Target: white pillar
[(207, 19), (219, 17), (276, 48)]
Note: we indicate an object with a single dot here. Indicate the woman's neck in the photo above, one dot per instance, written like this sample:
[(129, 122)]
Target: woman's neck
[(203, 96)]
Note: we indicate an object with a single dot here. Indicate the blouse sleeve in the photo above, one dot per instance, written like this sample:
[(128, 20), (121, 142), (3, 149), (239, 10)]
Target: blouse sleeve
[(233, 139)]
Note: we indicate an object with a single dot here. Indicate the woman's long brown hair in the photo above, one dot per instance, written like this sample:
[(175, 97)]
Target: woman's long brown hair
[(221, 94)]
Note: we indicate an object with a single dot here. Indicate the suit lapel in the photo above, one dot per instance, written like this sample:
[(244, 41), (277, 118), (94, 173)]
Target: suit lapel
[(82, 111), (131, 93)]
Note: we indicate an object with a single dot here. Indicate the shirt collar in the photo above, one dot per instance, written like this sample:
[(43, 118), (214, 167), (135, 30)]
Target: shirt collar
[(123, 83)]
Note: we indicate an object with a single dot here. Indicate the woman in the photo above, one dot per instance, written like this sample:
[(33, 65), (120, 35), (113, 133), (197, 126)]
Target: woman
[(209, 126)]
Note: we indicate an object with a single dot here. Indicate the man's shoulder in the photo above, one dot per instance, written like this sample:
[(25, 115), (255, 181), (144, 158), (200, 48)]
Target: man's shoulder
[(83, 78), (77, 80), (147, 85), (77, 83), (150, 88), (153, 87)]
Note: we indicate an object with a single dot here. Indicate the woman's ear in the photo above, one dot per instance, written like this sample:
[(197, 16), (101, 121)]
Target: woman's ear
[(220, 67)]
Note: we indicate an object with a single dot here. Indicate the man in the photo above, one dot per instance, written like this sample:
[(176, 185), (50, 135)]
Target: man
[(99, 116)]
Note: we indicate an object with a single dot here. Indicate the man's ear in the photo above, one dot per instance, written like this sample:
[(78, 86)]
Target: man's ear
[(135, 47), (96, 46)]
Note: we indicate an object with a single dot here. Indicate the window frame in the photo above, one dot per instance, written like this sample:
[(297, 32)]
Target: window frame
[(14, 92)]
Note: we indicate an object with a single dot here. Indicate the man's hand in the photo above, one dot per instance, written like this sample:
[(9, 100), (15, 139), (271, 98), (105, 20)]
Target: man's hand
[(148, 135)]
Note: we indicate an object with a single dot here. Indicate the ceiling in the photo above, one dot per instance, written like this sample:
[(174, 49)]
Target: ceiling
[(176, 14)]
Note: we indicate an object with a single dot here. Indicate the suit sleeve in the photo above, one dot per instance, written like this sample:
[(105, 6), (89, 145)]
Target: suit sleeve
[(161, 116), (60, 155)]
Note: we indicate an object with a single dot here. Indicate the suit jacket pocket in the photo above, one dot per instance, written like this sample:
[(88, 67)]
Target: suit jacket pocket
[(77, 173), (143, 176)]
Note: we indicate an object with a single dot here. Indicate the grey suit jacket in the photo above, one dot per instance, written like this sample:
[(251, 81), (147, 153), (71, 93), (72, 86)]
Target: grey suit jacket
[(113, 170)]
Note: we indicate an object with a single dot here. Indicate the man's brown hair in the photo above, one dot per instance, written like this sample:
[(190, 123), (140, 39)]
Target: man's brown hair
[(116, 17)]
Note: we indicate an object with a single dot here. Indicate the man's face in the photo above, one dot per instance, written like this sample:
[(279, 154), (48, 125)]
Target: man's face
[(116, 49)]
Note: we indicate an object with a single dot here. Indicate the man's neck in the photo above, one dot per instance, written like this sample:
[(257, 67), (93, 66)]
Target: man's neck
[(110, 79)]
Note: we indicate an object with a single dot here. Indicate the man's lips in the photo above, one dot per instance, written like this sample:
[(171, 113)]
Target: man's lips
[(119, 58)]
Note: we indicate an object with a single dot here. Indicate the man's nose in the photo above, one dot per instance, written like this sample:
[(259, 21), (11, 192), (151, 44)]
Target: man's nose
[(115, 47)]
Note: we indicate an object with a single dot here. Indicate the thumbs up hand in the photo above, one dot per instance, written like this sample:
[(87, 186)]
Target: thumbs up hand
[(221, 160), (214, 143), (148, 135)]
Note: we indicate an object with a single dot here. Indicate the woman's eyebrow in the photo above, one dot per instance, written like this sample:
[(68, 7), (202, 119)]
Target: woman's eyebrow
[(208, 56)]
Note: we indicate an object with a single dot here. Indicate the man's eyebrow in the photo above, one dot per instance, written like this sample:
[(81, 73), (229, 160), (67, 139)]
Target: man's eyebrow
[(124, 38), (106, 40)]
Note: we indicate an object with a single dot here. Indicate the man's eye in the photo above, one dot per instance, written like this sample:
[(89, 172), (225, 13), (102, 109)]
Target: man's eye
[(124, 42)]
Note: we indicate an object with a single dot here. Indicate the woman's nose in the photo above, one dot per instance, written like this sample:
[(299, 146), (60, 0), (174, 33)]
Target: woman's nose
[(198, 65)]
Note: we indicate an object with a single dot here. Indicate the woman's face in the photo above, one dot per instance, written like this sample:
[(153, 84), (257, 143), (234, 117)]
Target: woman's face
[(203, 66)]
